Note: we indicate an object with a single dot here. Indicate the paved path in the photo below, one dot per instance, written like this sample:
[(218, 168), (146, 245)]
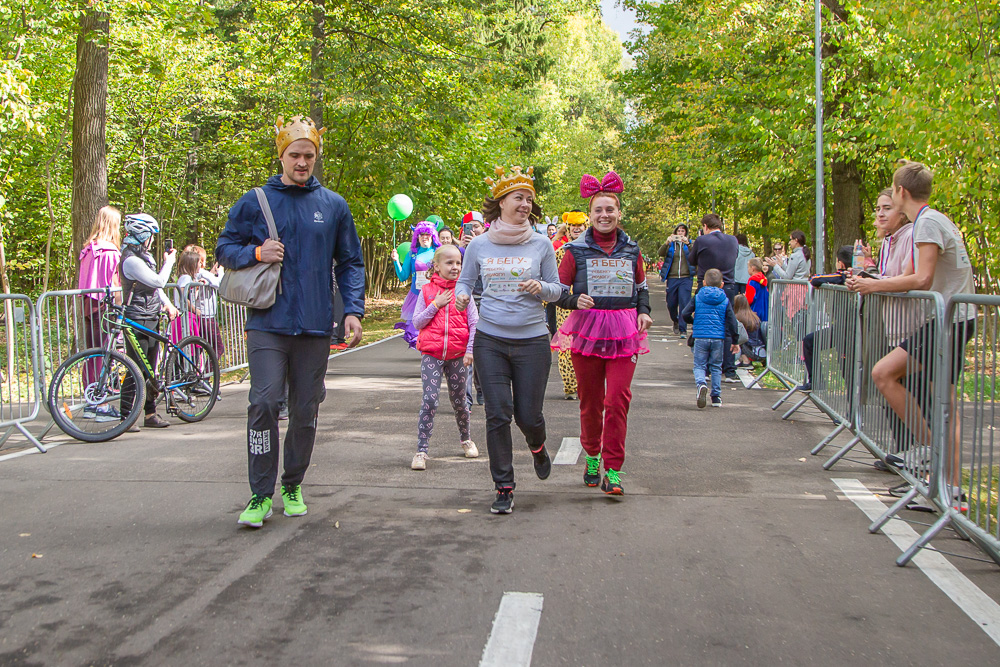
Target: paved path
[(727, 549)]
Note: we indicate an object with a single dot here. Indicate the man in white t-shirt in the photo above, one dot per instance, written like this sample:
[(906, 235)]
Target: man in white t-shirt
[(941, 264)]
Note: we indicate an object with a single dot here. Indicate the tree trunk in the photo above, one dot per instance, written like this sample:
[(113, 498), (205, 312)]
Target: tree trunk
[(317, 73), (90, 97), (847, 210)]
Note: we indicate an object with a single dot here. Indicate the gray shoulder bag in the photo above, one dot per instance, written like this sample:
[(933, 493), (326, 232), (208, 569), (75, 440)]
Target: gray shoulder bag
[(255, 286)]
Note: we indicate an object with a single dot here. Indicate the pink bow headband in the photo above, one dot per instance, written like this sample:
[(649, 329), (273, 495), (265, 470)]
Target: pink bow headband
[(589, 186)]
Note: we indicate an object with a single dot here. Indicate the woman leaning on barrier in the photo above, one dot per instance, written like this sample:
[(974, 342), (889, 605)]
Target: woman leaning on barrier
[(99, 260)]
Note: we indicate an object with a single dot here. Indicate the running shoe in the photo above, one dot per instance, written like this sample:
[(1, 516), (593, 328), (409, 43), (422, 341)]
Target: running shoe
[(419, 461), (900, 490), (470, 449), (90, 412), (805, 388), (592, 475), (291, 494), (543, 464), (702, 395), (612, 484), (258, 509), (504, 504), (571, 396), (732, 377), (283, 413), (716, 401), (107, 413)]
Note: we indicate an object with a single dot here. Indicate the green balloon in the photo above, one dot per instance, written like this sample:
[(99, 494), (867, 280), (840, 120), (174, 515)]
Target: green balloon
[(400, 207), (436, 219)]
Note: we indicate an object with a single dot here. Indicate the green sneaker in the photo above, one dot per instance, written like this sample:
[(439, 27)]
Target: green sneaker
[(592, 475), (258, 509), (612, 484), (292, 495)]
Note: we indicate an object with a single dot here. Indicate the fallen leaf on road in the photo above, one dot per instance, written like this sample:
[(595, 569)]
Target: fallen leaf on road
[(802, 460), (25, 535), (336, 524), (36, 555), (464, 511)]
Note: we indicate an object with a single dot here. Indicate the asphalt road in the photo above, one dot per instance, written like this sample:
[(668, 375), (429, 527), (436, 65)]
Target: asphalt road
[(726, 550)]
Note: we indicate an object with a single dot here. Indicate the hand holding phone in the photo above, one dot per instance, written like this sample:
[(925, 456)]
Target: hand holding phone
[(168, 245)]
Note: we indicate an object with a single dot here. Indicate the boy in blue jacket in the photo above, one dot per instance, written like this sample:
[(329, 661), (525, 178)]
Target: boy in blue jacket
[(714, 323)]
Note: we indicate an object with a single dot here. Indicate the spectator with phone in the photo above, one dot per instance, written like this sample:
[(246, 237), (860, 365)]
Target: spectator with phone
[(144, 299), (677, 273)]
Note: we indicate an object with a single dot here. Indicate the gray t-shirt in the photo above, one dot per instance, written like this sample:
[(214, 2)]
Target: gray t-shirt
[(505, 311), (953, 273)]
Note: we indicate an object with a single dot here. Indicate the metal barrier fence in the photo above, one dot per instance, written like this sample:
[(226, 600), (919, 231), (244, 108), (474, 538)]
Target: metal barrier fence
[(969, 483), (834, 347), (20, 400), (788, 322), (221, 323)]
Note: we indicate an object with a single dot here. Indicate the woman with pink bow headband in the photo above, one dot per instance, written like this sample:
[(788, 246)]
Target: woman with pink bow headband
[(606, 332)]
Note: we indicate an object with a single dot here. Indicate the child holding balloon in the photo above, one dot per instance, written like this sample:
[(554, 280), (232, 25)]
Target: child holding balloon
[(414, 267)]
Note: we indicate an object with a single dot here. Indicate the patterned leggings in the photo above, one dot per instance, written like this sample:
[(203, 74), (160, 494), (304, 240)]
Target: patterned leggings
[(431, 370)]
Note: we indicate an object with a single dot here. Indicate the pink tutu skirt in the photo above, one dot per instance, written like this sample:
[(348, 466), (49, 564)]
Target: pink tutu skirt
[(609, 334)]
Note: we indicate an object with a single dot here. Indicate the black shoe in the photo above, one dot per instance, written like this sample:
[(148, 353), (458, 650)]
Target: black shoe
[(881, 466), (677, 330), (702, 395), (479, 397), (612, 484), (900, 490), (732, 377), (543, 464), (805, 388), (156, 421), (504, 504)]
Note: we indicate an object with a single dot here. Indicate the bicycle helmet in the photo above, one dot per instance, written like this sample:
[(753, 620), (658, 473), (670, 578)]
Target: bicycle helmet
[(139, 227)]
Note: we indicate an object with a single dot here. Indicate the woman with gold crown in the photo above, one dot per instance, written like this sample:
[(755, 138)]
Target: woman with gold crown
[(518, 271)]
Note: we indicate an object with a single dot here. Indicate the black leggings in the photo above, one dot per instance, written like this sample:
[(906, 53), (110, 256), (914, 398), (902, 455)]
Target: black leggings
[(150, 348), (514, 373)]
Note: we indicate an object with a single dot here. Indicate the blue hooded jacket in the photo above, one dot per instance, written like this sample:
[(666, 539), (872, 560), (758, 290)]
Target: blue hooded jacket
[(713, 316), (316, 227)]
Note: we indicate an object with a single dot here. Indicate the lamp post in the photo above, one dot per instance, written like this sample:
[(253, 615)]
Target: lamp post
[(820, 263)]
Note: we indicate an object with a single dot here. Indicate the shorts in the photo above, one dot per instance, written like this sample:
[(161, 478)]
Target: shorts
[(922, 345)]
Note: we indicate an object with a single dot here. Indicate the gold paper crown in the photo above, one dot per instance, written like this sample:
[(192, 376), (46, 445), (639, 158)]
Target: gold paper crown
[(515, 181), (299, 128), (574, 218)]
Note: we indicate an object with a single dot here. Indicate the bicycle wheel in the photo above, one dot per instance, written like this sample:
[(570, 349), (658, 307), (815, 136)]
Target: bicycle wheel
[(92, 405), (191, 378)]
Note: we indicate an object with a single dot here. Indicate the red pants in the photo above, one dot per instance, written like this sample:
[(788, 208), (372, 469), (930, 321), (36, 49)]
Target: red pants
[(605, 390)]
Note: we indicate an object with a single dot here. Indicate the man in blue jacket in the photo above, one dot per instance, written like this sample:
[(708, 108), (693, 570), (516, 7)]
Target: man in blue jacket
[(290, 341)]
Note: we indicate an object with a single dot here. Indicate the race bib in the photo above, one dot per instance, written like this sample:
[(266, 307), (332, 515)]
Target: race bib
[(502, 275), (420, 279), (609, 277)]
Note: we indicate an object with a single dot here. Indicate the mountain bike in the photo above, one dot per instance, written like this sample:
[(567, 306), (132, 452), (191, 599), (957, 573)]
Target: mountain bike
[(98, 393)]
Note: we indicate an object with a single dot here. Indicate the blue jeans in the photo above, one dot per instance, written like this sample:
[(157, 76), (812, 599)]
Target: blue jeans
[(678, 295), (708, 357)]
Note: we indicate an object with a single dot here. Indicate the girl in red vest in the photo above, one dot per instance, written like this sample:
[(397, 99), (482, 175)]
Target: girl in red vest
[(445, 340), (606, 332)]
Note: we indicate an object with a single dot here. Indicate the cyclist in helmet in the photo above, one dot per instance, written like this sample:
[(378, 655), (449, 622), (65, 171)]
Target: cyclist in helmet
[(144, 299)]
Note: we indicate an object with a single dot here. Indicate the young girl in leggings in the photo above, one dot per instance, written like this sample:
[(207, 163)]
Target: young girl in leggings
[(606, 332), (445, 340), (517, 267)]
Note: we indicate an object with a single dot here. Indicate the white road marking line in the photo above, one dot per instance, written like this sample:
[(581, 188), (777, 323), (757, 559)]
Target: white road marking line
[(569, 452), (363, 347), (25, 452), (515, 626), (970, 598), (747, 378)]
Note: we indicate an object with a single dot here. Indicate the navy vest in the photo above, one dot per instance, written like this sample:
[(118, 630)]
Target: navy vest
[(608, 279), (141, 300)]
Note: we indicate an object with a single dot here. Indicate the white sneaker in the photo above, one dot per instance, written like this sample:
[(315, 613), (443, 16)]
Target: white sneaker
[(470, 450), (419, 461)]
